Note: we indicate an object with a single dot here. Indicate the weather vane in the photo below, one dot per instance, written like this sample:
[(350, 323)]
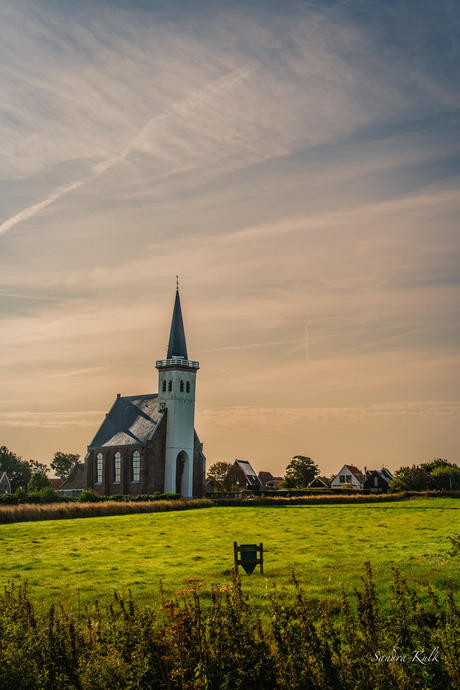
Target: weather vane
[(177, 282)]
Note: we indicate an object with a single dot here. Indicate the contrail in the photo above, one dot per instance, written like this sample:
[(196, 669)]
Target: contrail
[(20, 296), (183, 108), (35, 208), (252, 345)]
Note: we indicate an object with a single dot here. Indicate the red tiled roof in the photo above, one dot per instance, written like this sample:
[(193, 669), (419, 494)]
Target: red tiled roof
[(353, 469), (56, 483)]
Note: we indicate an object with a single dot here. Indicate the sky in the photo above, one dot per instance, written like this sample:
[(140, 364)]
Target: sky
[(297, 164)]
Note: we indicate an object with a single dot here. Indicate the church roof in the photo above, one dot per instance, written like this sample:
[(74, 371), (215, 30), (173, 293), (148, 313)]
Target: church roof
[(131, 421), (177, 346)]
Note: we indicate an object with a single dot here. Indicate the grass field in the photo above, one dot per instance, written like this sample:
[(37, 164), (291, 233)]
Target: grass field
[(83, 560)]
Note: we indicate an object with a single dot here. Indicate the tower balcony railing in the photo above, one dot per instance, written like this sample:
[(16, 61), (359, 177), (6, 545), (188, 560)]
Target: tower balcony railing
[(177, 362)]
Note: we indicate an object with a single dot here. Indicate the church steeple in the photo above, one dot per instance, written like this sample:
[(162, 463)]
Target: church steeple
[(177, 346), (176, 397)]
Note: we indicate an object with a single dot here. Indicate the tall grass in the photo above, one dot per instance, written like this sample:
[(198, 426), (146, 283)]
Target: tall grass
[(62, 511), (215, 639)]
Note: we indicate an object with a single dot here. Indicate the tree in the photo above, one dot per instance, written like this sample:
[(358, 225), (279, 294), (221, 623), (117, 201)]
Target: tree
[(38, 467), (432, 474), (300, 472), (63, 464), (217, 473), (432, 465), (445, 477), (235, 479), (38, 481), (413, 478), (19, 472)]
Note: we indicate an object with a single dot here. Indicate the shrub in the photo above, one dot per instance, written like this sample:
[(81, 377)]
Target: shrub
[(37, 482), (88, 496), (216, 640), (49, 495)]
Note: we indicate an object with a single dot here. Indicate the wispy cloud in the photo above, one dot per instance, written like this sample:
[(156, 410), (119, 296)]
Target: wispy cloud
[(51, 420), (299, 169), (143, 141)]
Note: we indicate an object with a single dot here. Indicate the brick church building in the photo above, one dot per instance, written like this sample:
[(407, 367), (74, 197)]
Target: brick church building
[(148, 443)]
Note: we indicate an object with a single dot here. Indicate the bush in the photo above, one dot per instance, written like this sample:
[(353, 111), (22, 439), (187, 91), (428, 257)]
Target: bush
[(88, 496), (217, 640), (37, 482), (49, 495)]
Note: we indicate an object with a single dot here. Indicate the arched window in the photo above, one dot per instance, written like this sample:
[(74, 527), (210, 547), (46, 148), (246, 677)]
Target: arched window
[(188, 387), (136, 466), (99, 468), (181, 386), (163, 387), (117, 467), (170, 385)]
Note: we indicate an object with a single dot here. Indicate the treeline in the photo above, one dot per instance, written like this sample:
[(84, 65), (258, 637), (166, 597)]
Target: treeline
[(216, 639), (434, 475), (31, 475)]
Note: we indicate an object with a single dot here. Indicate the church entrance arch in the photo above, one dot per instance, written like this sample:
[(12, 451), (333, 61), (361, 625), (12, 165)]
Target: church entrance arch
[(182, 461)]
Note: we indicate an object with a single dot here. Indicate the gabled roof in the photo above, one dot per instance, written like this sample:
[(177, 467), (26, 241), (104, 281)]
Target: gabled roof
[(386, 476), (76, 478), (354, 470), (56, 483), (253, 479), (323, 480), (177, 346), (131, 421), (265, 477)]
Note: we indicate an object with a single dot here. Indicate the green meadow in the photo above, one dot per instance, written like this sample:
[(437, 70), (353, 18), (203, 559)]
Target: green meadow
[(81, 560)]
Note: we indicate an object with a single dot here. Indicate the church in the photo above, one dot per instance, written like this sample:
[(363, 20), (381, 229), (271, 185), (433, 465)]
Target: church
[(148, 443)]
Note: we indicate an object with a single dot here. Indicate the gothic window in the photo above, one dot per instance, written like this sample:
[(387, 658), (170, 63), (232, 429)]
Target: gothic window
[(187, 388), (163, 387), (136, 465), (99, 468), (181, 386), (117, 467), (170, 385)]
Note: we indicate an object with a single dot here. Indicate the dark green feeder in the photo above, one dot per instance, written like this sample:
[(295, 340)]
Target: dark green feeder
[(250, 555)]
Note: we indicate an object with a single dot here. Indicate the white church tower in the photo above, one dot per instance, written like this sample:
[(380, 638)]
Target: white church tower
[(176, 395)]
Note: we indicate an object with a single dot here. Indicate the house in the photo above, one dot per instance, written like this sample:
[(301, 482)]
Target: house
[(210, 486), (265, 477), (269, 480), (148, 442), (5, 486), (349, 476), (243, 475), (377, 480), (319, 483), (56, 483), (75, 482)]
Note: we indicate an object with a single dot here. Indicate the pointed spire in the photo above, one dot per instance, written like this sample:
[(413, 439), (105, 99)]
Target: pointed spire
[(177, 346)]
